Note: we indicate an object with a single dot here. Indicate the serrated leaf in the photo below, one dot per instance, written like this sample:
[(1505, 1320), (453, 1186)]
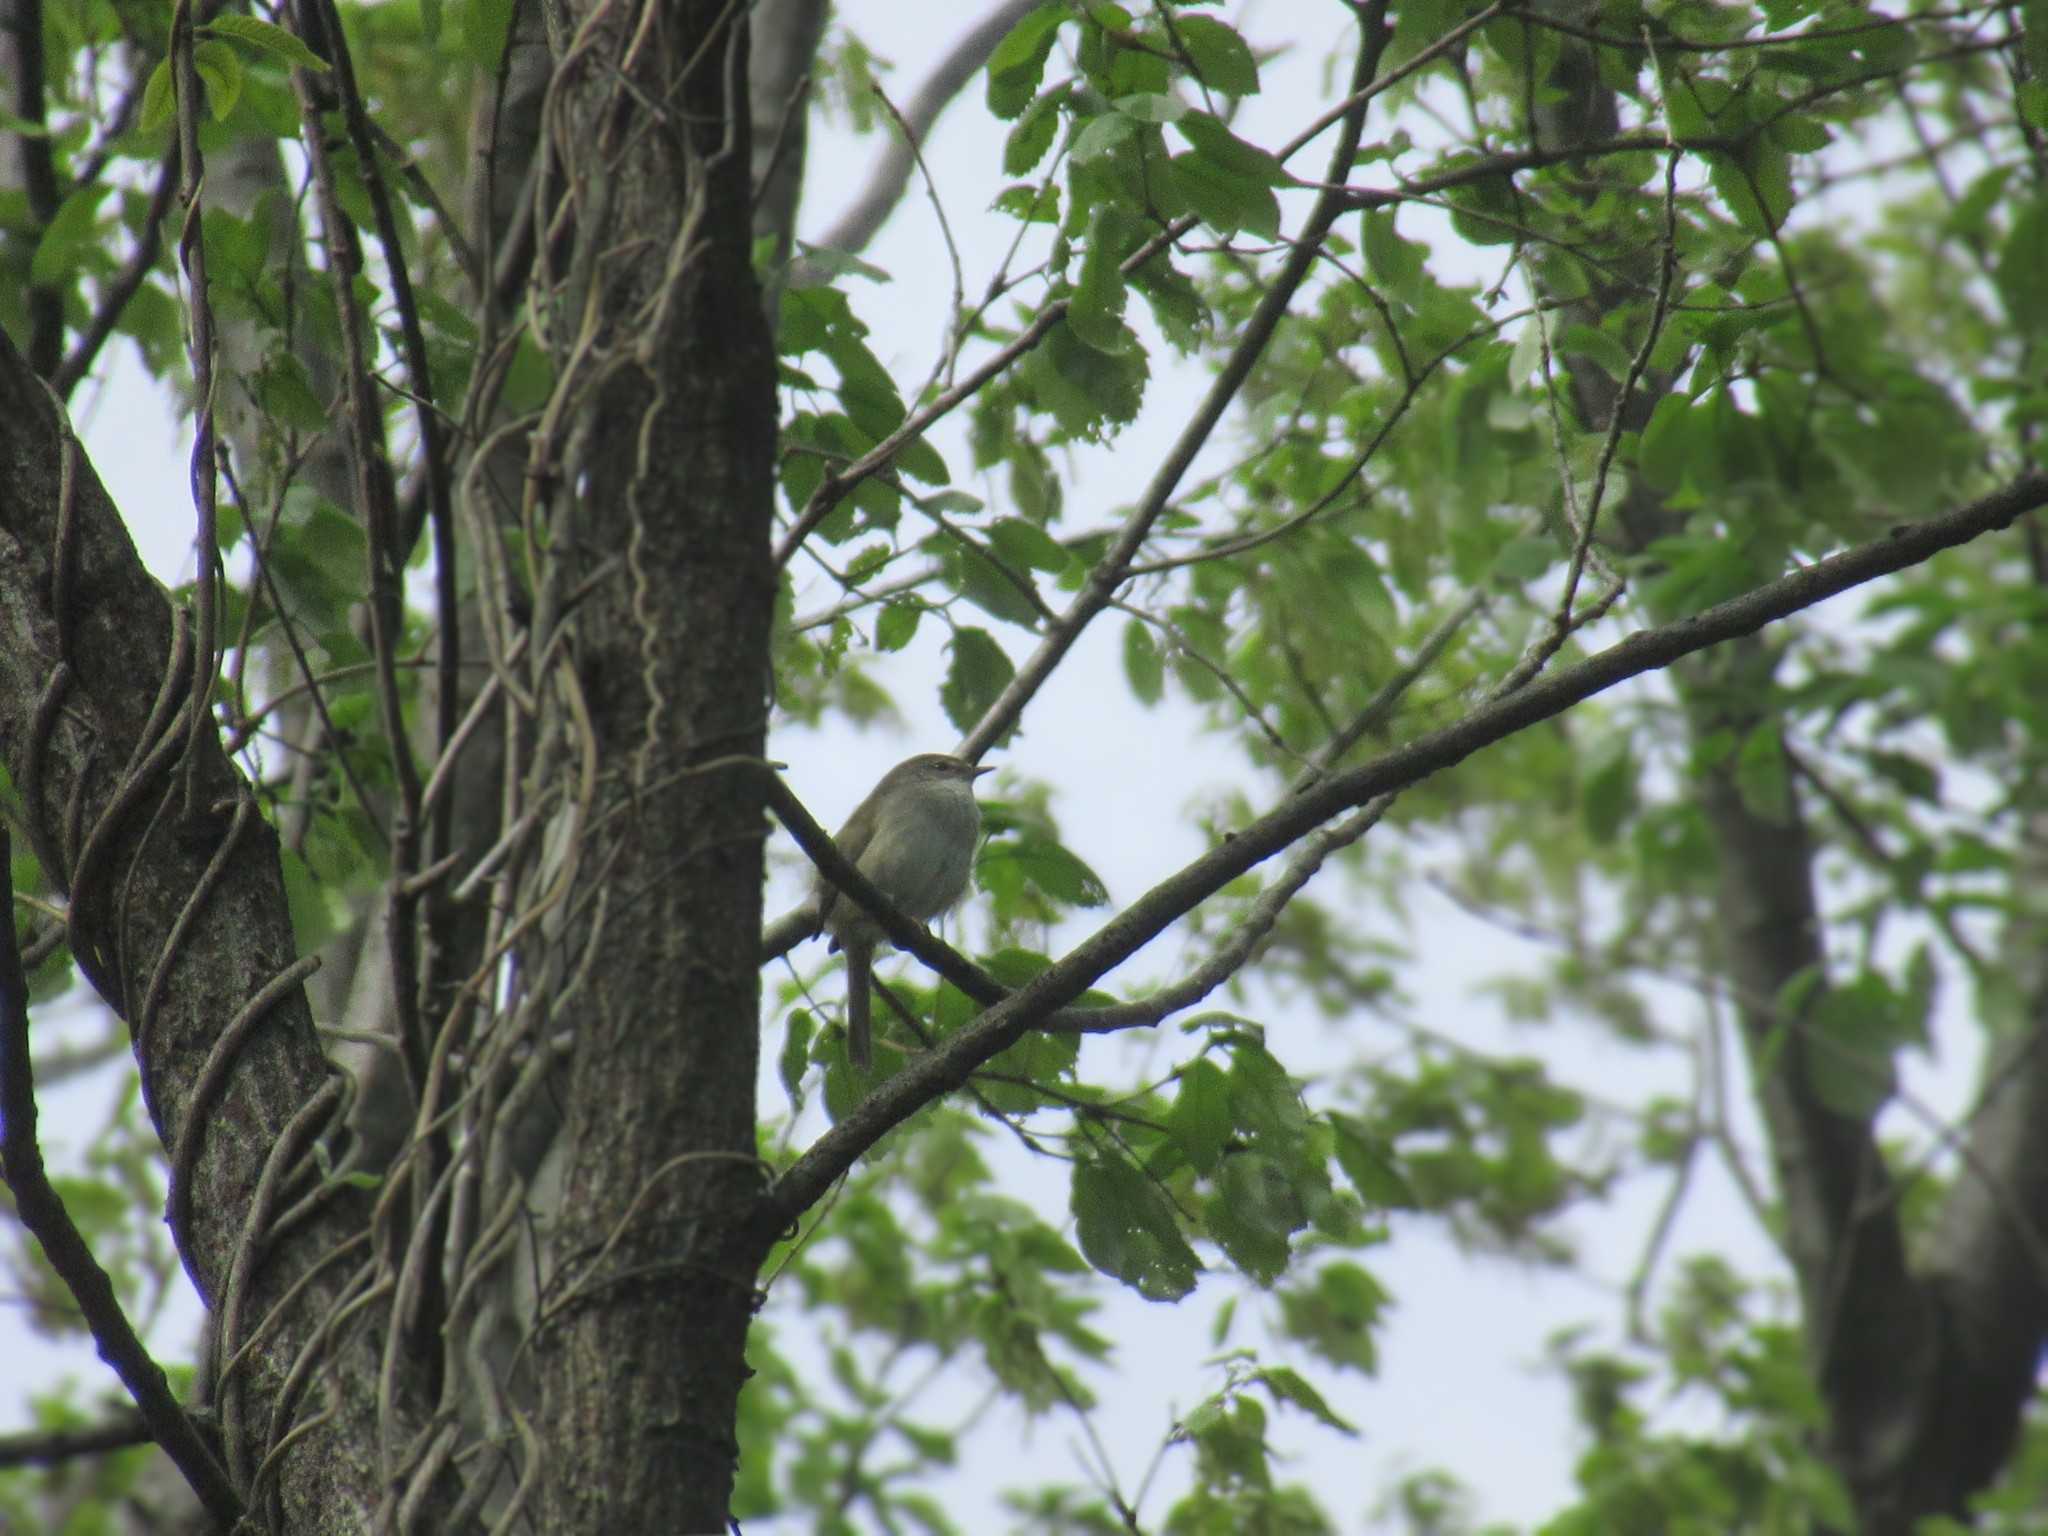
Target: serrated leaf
[(1018, 62), (1224, 149), (1033, 135), (1096, 311), (1059, 872)]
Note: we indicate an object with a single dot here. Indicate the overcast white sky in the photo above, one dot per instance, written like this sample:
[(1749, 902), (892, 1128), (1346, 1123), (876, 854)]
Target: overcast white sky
[(1459, 1386)]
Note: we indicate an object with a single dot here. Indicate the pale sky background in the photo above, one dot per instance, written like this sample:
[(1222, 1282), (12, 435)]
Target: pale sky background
[(1460, 1385)]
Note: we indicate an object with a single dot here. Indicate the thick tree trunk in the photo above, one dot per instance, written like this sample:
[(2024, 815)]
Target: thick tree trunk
[(180, 921), (641, 1341)]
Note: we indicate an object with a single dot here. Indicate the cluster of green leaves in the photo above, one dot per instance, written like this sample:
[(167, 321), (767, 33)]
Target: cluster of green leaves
[(1723, 1351), (922, 1264)]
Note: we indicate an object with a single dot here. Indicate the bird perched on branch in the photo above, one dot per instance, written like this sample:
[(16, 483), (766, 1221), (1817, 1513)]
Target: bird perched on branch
[(914, 838)]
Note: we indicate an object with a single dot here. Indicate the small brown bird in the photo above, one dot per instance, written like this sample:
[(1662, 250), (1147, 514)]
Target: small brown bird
[(913, 837)]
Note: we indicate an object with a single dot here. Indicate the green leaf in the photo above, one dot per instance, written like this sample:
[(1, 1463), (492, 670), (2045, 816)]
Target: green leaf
[(1667, 444), (1142, 667), (1393, 260), (266, 38), (1486, 211), (1369, 1162), (219, 69), (1199, 1121), (1527, 356), (1228, 153), (1757, 187), (897, 623), (1761, 774), (1018, 62), (1608, 790), (1800, 133), (1222, 59), (285, 391), (975, 677), (952, 500), (1029, 204), (485, 26), (1290, 1387), (1152, 107), (159, 98), (1033, 135), (1848, 1035), (1096, 312), (73, 230), (1087, 387), (1101, 136), (1524, 558), (1025, 544), (1127, 1228), (1253, 1213), (1056, 869), (796, 1051), (998, 591), (1338, 1315), (2022, 271), (1597, 347), (1226, 202), (318, 908)]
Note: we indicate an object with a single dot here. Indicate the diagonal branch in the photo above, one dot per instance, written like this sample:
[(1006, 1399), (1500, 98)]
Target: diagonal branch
[(946, 1068)]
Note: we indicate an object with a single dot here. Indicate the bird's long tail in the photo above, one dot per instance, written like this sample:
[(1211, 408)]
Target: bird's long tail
[(859, 1022)]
